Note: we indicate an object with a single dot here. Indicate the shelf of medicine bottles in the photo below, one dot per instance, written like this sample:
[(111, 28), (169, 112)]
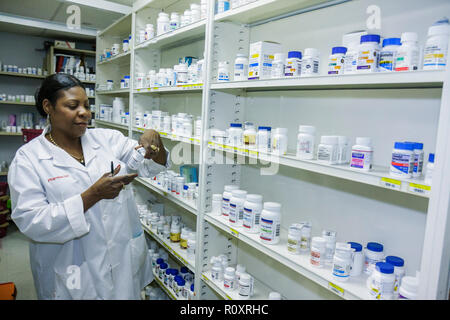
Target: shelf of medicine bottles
[(354, 288), (378, 176), (4, 133), (260, 291), (115, 58), (118, 91), (17, 103), (16, 74), (177, 37), (151, 184), (111, 124), (173, 137), (396, 80), (166, 289), (173, 248), (181, 88)]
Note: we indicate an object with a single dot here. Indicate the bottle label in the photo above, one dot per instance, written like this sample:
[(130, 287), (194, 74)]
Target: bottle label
[(324, 153), (293, 245), (335, 66), (368, 60), (360, 159), (304, 147), (379, 289), (402, 163), (434, 56), (387, 60), (225, 207), (315, 258), (407, 60), (251, 218), (232, 215), (341, 270), (310, 66), (270, 229), (292, 69)]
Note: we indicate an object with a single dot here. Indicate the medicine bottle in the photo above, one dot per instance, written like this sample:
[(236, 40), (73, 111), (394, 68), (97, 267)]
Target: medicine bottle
[(294, 238), (229, 279), (236, 135), (409, 288), (293, 65), (163, 23), (184, 271), (310, 62), (327, 150), (418, 159), (252, 213), (137, 158), (240, 269), (336, 60), (226, 196), (216, 204), (222, 6), (368, 53), (342, 262), (245, 286), (166, 232), (381, 282), (388, 54), (402, 164), (305, 142), (351, 41), (182, 73), (430, 169), (175, 233), (343, 150), (357, 259), (240, 67), (195, 12), (408, 53), (166, 276), (278, 66), (399, 271), (162, 270), (249, 136), (279, 141), (435, 51), (330, 239), (274, 296), (187, 17), (191, 294), (373, 253), (270, 223), (318, 248), (174, 21), (181, 288), (191, 243), (236, 215), (305, 240), (216, 269), (362, 153), (263, 139), (141, 36), (198, 127), (223, 74), (175, 284), (184, 237), (125, 45)]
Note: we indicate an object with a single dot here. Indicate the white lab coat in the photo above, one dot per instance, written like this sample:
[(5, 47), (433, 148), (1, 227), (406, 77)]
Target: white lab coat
[(100, 254)]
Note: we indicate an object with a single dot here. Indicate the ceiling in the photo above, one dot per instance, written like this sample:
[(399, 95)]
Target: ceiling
[(55, 11)]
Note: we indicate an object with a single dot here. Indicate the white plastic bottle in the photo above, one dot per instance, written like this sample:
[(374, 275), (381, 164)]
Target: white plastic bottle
[(435, 51), (263, 139), (409, 288), (216, 269), (279, 141), (182, 73), (270, 223), (408, 53), (381, 282), (174, 21), (402, 164), (223, 74), (310, 62), (240, 67), (330, 240), (369, 53), (191, 243), (245, 286), (418, 159), (195, 12), (305, 142), (252, 213), (136, 159), (357, 259), (336, 60), (216, 204), (342, 262), (236, 135), (351, 41), (163, 23), (305, 240), (373, 253), (236, 214), (249, 136), (399, 271), (388, 54), (226, 196), (318, 248), (343, 150), (149, 31), (294, 238), (277, 71), (362, 153), (229, 278), (430, 169), (293, 65), (327, 149)]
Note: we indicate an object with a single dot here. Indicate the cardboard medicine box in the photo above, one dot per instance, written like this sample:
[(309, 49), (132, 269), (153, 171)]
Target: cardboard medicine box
[(64, 44), (261, 58)]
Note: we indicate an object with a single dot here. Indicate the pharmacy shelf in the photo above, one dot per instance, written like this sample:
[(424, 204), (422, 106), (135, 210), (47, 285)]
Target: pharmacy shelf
[(23, 75), (74, 51), (391, 80), (111, 124), (117, 58), (260, 291), (118, 91), (173, 137), (4, 133), (150, 184), (6, 197), (18, 103), (120, 27), (192, 32), (181, 88), (172, 247), (379, 176), (353, 289), (166, 289)]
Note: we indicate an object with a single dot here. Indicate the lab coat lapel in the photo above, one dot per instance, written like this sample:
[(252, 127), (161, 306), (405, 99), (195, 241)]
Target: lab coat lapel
[(89, 147)]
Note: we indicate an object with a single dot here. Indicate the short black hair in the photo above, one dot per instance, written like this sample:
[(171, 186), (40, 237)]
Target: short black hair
[(51, 89)]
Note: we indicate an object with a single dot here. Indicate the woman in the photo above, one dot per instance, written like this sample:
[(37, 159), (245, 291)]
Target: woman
[(87, 241)]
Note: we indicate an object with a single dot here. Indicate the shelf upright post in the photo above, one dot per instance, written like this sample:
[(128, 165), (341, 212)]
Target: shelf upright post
[(132, 67)]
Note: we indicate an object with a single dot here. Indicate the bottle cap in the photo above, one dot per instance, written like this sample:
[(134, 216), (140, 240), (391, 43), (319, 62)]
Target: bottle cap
[(375, 246), (265, 128), (184, 270), (337, 50), (279, 56), (370, 38), (307, 129), (331, 140), (185, 187), (181, 282), (395, 261), (364, 141), (409, 36), (312, 52), (231, 187), (192, 287), (273, 206), (282, 131), (404, 146), (356, 246), (391, 42), (217, 197), (439, 27), (236, 125), (274, 296), (294, 54), (431, 158), (410, 284), (384, 267), (241, 194), (254, 198)]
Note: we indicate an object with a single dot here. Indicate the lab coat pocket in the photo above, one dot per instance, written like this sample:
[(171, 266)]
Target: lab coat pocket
[(139, 251), (62, 187)]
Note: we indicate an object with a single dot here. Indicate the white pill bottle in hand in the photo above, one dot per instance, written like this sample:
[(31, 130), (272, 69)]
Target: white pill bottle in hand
[(137, 158)]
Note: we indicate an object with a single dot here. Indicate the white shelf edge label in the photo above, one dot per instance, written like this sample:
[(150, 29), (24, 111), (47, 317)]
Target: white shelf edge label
[(336, 289), (419, 188), (391, 183)]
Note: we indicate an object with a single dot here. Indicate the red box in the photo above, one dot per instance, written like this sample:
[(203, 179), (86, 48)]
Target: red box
[(30, 134), (3, 188)]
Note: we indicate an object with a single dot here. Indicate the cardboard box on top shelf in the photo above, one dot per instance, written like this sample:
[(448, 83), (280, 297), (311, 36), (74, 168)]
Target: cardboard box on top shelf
[(64, 44)]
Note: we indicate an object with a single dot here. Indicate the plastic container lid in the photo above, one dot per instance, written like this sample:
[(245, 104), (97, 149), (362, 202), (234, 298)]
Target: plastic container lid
[(181, 282), (392, 42), (311, 52), (176, 278), (307, 129), (342, 140), (352, 38), (245, 277), (231, 187), (417, 145), (274, 296), (282, 131), (126, 77), (235, 125), (265, 128), (159, 261), (241, 194), (163, 14), (125, 41), (409, 36), (431, 157), (410, 284), (370, 38), (279, 56), (272, 206), (192, 287), (254, 198), (439, 27), (318, 241), (355, 245), (329, 140), (229, 271), (375, 246), (294, 54), (168, 271), (384, 267), (364, 141), (175, 272), (404, 146), (185, 187), (395, 261), (242, 55), (295, 229), (163, 265), (337, 50), (217, 197)]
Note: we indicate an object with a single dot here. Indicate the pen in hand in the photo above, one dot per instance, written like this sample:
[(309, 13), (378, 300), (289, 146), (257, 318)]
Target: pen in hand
[(112, 169)]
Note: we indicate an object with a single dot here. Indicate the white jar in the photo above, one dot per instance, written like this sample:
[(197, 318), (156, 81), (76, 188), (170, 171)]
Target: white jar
[(150, 79), (182, 73), (236, 214), (279, 141), (187, 128), (368, 53), (402, 164), (171, 78), (240, 67), (127, 82), (216, 269), (278, 66), (409, 288), (141, 36), (351, 56), (252, 213), (203, 8), (362, 154), (240, 269), (187, 17), (327, 150), (357, 259), (343, 151), (191, 243), (435, 51), (125, 45), (342, 262), (381, 282), (310, 62), (149, 31), (109, 84), (330, 239), (136, 159), (305, 142), (270, 223), (163, 23), (223, 73), (399, 271), (318, 247), (336, 60), (305, 240), (226, 196), (195, 12), (198, 127), (115, 49), (293, 65), (216, 204), (245, 286), (229, 278), (236, 135), (249, 136), (430, 169), (408, 53), (388, 54), (373, 253), (140, 80), (263, 139), (294, 238), (179, 185), (174, 21), (274, 296)]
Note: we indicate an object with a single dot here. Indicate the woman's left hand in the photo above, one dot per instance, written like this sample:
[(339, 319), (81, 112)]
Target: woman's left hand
[(153, 145)]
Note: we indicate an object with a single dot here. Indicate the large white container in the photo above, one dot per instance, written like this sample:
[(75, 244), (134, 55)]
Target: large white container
[(261, 58), (236, 214), (270, 223), (435, 52), (252, 213)]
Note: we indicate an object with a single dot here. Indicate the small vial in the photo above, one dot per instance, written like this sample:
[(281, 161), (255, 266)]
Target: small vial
[(137, 158)]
